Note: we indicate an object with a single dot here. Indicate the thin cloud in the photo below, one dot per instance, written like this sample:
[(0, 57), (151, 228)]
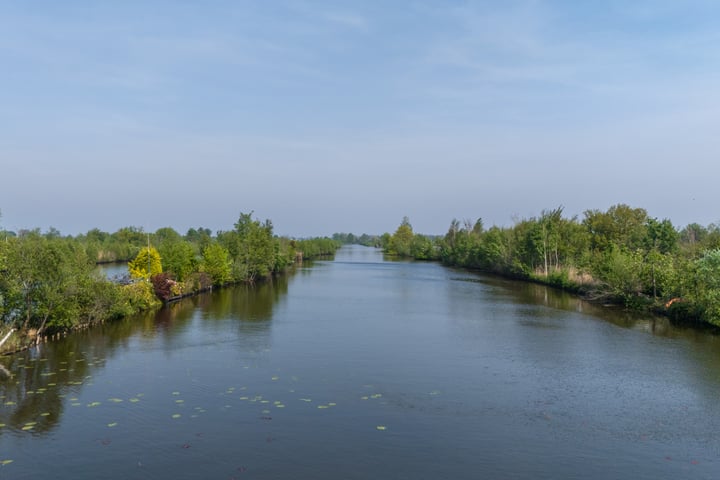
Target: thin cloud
[(347, 19)]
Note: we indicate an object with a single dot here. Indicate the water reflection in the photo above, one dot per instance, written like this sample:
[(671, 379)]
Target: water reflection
[(249, 303), (33, 398), (37, 385), (543, 327), (524, 295)]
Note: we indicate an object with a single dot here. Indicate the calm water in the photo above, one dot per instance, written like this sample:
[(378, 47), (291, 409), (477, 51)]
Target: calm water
[(113, 271), (361, 368)]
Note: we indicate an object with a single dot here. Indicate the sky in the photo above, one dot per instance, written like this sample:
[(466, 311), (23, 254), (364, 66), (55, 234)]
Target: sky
[(346, 116)]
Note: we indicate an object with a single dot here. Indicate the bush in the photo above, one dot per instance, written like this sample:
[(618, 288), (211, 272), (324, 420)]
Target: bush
[(137, 297)]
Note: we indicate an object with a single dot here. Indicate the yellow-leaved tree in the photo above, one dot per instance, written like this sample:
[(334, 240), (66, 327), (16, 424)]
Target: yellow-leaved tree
[(146, 264)]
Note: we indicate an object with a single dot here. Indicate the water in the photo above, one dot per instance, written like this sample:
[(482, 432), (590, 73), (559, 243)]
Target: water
[(362, 368), (114, 271)]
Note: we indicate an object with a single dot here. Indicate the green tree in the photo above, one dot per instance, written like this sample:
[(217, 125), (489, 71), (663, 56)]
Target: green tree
[(178, 257), (200, 237), (166, 234), (216, 263), (422, 248), (146, 264), (252, 248), (42, 282), (622, 275), (661, 239), (401, 241), (621, 226), (708, 288)]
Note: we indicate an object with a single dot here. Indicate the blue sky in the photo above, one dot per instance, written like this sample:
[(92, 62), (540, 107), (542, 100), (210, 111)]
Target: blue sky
[(347, 115)]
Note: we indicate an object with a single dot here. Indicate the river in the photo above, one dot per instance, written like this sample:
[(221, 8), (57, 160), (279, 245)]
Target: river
[(363, 368)]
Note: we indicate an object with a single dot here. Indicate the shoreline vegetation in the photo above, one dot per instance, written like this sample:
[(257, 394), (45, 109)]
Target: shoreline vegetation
[(618, 257), (49, 283)]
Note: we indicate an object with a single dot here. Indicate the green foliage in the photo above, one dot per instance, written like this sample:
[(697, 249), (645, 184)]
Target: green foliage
[(146, 264), (621, 273), (621, 226), (401, 241), (252, 247), (620, 254), (202, 237), (660, 236), (316, 247), (405, 243), (708, 290), (216, 263), (350, 239), (47, 281), (178, 257), (256, 248), (423, 248), (166, 235), (137, 297)]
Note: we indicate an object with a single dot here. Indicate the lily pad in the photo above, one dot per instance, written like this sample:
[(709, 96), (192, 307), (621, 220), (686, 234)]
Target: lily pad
[(5, 462), (381, 427)]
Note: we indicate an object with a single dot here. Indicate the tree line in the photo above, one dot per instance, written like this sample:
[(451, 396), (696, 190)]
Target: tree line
[(49, 283), (621, 255)]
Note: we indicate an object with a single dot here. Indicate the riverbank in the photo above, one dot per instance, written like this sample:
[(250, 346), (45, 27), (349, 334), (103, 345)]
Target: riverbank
[(49, 284), (629, 257)]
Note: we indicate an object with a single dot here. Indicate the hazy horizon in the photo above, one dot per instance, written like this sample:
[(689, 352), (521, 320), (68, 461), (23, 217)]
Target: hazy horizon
[(347, 116)]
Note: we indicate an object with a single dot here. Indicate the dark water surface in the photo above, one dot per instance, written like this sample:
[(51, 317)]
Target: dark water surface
[(361, 368)]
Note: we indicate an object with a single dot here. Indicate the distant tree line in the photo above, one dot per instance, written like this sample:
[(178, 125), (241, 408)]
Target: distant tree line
[(49, 283), (621, 255), (351, 239)]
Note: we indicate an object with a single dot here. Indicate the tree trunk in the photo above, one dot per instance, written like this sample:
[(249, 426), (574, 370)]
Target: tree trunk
[(6, 337)]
